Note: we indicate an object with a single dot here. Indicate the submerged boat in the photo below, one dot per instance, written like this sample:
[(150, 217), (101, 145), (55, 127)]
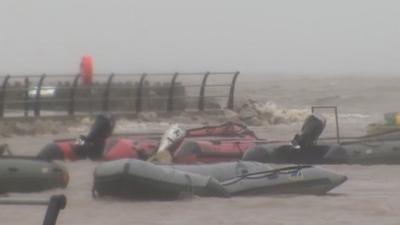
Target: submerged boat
[(373, 149), (23, 174), (140, 179)]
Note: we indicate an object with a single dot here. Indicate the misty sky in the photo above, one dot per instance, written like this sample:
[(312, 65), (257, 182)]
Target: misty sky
[(268, 37)]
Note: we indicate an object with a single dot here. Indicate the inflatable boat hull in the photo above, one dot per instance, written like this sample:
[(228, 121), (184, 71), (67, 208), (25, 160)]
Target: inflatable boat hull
[(217, 143), (30, 175), (368, 152), (139, 179)]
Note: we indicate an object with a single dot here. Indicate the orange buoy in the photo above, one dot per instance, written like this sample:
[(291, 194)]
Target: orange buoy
[(87, 70)]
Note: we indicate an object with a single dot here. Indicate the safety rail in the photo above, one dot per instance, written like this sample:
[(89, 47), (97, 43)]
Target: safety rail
[(335, 111), (36, 95), (54, 205)]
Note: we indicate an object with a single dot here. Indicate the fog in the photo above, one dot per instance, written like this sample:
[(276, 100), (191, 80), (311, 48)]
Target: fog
[(259, 37)]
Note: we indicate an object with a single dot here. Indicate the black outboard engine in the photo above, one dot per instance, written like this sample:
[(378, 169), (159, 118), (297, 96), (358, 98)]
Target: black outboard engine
[(90, 146), (102, 128), (93, 144), (311, 130), (301, 149)]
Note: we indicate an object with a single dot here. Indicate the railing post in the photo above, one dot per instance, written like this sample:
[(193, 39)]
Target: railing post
[(170, 105), (337, 125), (26, 97), (202, 88), (56, 203), (335, 109), (71, 109), (107, 93), (38, 92), (232, 91), (139, 94), (3, 95)]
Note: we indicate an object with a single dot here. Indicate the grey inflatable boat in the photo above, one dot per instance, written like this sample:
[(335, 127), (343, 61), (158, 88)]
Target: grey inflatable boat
[(373, 149), (25, 174), (362, 152), (140, 179)]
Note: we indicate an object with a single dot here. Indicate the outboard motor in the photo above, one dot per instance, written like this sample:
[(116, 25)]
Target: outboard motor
[(90, 146), (93, 144), (172, 137), (102, 128), (311, 130)]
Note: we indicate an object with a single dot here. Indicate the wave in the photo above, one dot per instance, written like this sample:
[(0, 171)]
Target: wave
[(269, 113)]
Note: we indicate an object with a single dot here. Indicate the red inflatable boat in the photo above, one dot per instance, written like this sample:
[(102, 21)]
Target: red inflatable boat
[(211, 151), (205, 144)]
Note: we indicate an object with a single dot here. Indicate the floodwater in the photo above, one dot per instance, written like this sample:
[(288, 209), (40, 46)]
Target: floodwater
[(370, 196)]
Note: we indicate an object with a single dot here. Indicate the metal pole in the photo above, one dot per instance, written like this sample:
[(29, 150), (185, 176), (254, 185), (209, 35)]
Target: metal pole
[(38, 92), (71, 110), (313, 108), (232, 91), (337, 125), (54, 205), (11, 201), (170, 105), (107, 93), (3, 95), (26, 97), (57, 203), (139, 94), (203, 86)]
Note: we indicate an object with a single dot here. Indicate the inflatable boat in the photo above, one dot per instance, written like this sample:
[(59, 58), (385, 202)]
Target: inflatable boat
[(391, 124), (220, 143), (23, 174), (381, 148), (212, 151), (140, 179), (366, 152)]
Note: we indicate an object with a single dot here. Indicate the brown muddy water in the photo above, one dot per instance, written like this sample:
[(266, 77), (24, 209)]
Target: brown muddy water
[(370, 196)]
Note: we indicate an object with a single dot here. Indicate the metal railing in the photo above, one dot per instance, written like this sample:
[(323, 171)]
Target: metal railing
[(35, 95), (54, 205), (335, 110)]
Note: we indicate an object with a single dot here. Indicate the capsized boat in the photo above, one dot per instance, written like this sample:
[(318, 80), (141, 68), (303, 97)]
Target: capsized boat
[(25, 174), (141, 179), (373, 149)]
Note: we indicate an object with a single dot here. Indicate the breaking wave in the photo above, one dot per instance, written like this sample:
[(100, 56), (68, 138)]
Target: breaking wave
[(269, 113)]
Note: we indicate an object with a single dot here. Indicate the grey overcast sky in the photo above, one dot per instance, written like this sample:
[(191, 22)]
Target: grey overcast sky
[(268, 37)]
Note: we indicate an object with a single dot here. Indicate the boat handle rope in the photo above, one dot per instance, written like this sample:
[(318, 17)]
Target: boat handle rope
[(370, 145), (266, 173)]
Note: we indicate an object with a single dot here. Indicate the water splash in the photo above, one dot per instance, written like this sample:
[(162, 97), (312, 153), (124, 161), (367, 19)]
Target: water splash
[(269, 113)]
